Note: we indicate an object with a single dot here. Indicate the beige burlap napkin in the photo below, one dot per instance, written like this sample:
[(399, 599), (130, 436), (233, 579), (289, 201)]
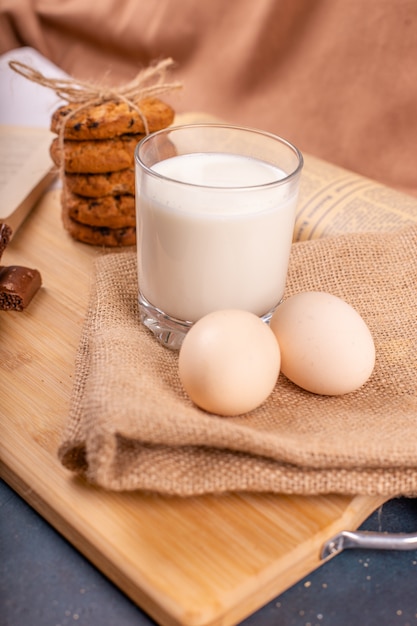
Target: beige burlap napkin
[(131, 426)]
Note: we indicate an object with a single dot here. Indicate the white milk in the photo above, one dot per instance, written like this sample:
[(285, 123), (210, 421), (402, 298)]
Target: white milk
[(205, 243)]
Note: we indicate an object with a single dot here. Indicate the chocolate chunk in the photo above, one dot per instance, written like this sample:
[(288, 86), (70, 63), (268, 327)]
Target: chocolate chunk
[(5, 235), (18, 285)]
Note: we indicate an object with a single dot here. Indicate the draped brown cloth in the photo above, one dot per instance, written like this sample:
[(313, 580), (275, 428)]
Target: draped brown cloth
[(337, 78)]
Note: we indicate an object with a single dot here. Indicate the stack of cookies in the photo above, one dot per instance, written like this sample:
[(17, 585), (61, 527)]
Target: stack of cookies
[(96, 155)]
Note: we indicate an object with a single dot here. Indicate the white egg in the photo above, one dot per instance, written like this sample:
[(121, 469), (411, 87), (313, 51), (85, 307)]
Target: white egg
[(326, 346), (229, 362)]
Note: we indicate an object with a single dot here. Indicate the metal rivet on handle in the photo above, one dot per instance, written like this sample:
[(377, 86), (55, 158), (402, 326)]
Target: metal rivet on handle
[(368, 540)]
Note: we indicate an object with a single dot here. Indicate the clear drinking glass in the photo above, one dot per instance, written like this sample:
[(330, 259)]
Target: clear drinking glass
[(215, 209)]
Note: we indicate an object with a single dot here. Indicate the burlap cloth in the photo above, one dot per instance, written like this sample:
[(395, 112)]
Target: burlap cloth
[(131, 426)]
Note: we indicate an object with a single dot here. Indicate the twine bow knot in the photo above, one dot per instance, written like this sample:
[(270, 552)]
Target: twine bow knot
[(149, 82)]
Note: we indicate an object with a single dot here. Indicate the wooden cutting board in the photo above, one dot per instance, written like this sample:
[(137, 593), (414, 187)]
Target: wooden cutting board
[(191, 562)]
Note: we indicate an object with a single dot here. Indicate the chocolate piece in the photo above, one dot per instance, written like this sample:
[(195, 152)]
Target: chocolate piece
[(5, 236), (18, 285)]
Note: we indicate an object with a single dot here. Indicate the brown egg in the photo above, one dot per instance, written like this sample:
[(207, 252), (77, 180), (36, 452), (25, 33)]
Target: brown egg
[(326, 346), (229, 362)]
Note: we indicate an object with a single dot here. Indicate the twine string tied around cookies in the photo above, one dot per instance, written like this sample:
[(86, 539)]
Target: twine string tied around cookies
[(148, 82)]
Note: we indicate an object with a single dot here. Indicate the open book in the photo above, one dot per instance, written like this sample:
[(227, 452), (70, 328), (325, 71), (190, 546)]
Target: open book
[(26, 169)]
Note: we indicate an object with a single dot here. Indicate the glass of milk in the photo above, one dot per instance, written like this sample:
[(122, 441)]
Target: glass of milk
[(215, 207)]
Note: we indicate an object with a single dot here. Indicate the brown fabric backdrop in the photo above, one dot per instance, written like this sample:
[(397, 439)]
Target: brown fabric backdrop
[(337, 77)]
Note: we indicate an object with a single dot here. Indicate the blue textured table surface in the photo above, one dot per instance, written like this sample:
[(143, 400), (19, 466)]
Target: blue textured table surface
[(44, 581)]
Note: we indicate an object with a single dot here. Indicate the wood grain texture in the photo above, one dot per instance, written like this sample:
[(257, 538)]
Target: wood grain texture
[(187, 562)]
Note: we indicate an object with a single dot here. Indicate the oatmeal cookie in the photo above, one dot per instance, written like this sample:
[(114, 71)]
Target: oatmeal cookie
[(96, 157), (97, 185), (109, 211), (99, 235), (112, 119)]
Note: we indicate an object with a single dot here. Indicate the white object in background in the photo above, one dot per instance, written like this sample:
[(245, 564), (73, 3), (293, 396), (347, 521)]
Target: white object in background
[(23, 102), (26, 168)]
